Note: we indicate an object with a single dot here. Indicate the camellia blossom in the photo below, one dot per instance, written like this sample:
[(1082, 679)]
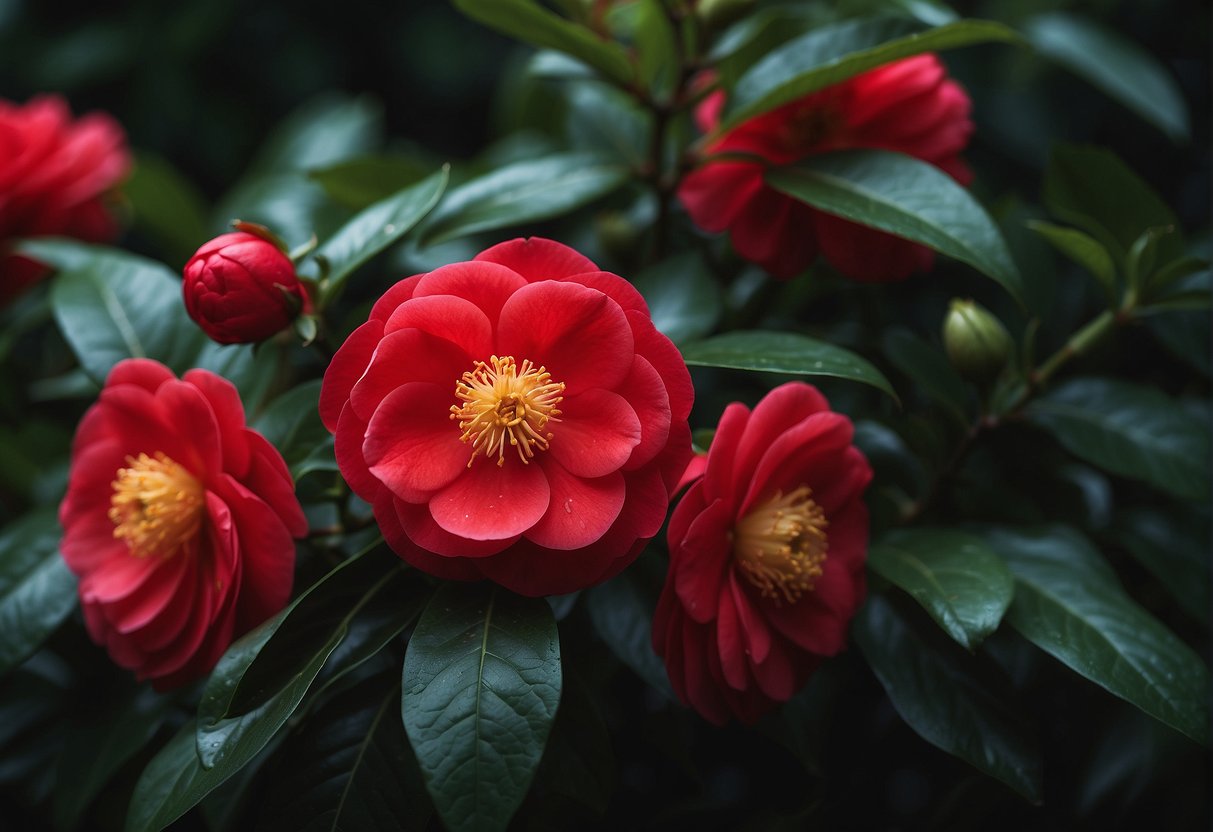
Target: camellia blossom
[(241, 288), (178, 521), (767, 552), (56, 177), (909, 106), (516, 417)]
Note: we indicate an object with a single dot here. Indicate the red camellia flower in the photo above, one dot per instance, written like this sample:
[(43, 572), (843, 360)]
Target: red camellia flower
[(909, 106), (56, 176), (178, 520), (241, 288), (516, 417), (767, 554)]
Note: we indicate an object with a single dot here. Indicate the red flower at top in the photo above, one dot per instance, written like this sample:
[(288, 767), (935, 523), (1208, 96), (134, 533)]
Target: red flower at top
[(909, 106), (767, 552), (56, 175), (178, 520), (516, 417)]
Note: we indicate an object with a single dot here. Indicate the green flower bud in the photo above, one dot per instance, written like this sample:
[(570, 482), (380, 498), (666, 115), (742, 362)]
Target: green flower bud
[(977, 343)]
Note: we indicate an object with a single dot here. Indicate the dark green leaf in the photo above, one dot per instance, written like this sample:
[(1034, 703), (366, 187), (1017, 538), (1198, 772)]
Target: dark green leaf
[(37, 591), (783, 352), (903, 196), (963, 585), (622, 612), (604, 120), (1173, 544), (1069, 603), (481, 686), (167, 206), (364, 180), (1093, 189), (522, 192), (1115, 65), (531, 23), (935, 690), (928, 366), (352, 769), (1185, 334), (1130, 430), (830, 54), (292, 423), (656, 48), (376, 228), (682, 297), (1084, 250)]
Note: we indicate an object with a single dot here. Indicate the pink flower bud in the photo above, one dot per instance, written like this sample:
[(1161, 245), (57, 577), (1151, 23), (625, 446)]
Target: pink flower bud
[(242, 288)]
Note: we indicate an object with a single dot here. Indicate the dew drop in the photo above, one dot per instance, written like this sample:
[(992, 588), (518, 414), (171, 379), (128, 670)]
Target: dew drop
[(389, 229)]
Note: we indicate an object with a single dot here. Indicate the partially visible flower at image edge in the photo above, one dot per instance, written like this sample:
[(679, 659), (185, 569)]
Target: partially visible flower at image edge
[(767, 553), (241, 288), (909, 106), (178, 521), (516, 417), (57, 177)]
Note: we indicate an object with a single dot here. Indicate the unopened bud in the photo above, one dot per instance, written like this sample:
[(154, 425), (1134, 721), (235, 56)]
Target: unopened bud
[(977, 343)]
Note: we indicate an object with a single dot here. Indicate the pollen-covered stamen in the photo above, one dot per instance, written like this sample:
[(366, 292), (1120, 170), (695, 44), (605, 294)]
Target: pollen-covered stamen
[(781, 545), (506, 403), (156, 506)]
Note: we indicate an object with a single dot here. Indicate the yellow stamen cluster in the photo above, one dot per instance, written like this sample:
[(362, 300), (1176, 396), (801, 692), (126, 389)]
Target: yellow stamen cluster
[(156, 506), (781, 545), (506, 403)]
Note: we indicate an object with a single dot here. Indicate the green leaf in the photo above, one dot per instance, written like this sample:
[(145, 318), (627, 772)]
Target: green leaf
[(1130, 430), (963, 585), (291, 423), (529, 22), (1092, 188), (903, 196), (1084, 250), (1069, 603), (1172, 543), (927, 365), (656, 48), (37, 591), (683, 298), (352, 769), (622, 613), (935, 689), (378, 227), (481, 686), (167, 206), (523, 192), (830, 54), (359, 182), (1114, 64), (783, 352), (111, 305), (249, 697)]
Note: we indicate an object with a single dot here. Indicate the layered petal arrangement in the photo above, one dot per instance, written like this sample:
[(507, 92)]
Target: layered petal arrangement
[(767, 552), (909, 106), (178, 521), (56, 177), (516, 417)]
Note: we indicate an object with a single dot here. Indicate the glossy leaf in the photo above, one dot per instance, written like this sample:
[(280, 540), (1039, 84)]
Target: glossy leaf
[(830, 54), (1084, 250), (292, 423), (37, 591), (1069, 603), (1092, 188), (783, 352), (1115, 65), (481, 685), (656, 47), (927, 365), (167, 206), (531, 23), (364, 180), (378, 227), (906, 197), (1173, 545), (964, 586), (1130, 430), (522, 192), (622, 613), (682, 297), (352, 770), (935, 689)]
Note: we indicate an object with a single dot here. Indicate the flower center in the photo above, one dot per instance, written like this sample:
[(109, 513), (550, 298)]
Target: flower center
[(781, 545), (506, 403), (156, 506)]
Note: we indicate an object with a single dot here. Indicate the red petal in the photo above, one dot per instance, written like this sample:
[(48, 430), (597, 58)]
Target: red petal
[(346, 367), (229, 415), (581, 509), (412, 446), (667, 361), (449, 317), (866, 254), (536, 258), (270, 480), (347, 448), (702, 560), (490, 502), (486, 284), (718, 480), (728, 643), (143, 372), (753, 626), (447, 568), (393, 297), (419, 525), (596, 433), (792, 460), (404, 356), (646, 394), (269, 559), (716, 194), (615, 288)]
